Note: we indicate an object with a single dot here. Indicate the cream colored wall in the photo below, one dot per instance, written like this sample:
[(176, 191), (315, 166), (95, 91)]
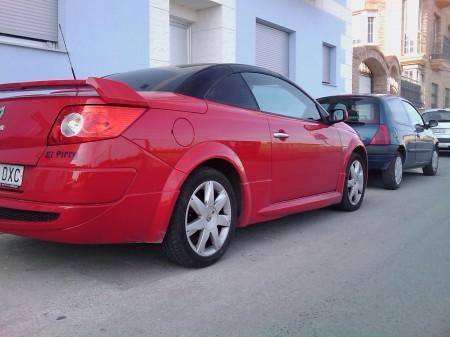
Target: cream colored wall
[(392, 27), (441, 77)]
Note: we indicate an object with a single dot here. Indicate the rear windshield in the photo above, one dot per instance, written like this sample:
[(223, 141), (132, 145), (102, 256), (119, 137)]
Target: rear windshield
[(360, 109), (156, 79), (440, 116)]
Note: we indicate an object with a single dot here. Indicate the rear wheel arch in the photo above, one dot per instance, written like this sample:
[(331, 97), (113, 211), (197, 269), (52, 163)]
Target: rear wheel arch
[(217, 156), (230, 172)]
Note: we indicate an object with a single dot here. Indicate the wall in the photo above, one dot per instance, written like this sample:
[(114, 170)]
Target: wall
[(103, 37), (312, 23)]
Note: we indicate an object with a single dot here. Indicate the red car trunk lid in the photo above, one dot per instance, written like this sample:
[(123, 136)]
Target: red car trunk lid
[(25, 125), (29, 109)]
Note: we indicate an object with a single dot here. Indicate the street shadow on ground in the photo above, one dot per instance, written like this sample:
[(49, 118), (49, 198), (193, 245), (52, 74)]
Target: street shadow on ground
[(114, 263), (409, 176)]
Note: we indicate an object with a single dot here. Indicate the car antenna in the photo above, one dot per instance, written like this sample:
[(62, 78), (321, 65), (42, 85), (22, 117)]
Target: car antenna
[(67, 50)]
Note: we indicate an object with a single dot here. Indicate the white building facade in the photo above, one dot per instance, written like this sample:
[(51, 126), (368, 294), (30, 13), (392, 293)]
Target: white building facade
[(309, 41)]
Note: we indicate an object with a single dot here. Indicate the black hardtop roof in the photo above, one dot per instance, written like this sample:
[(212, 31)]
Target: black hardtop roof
[(192, 80)]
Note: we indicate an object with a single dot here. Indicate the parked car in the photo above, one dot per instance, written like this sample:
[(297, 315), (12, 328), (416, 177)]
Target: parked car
[(394, 133), (442, 131), (178, 155)]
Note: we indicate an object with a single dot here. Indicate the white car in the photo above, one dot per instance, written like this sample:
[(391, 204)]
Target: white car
[(442, 131)]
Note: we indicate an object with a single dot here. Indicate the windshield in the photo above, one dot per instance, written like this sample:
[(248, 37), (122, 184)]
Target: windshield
[(440, 116), (360, 109)]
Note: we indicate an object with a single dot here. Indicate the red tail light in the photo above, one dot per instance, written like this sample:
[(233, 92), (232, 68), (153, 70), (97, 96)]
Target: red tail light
[(86, 123), (381, 136)]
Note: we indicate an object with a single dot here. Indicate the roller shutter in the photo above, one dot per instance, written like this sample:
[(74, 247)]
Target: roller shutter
[(272, 49), (179, 42), (37, 19)]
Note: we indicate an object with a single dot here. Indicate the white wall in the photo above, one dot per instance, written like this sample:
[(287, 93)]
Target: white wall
[(213, 29)]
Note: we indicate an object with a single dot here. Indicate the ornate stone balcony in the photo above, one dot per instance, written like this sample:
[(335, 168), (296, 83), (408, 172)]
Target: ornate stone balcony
[(440, 56)]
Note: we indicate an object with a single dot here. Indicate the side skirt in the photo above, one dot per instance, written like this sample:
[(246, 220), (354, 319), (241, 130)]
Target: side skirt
[(281, 209)]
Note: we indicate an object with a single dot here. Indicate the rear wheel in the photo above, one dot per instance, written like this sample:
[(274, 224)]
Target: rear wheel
[(203, 221), (432, 168), (355, 185), (392, 177)]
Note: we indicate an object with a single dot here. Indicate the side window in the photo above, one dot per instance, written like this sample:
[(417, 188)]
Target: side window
[(414, 116), (398, 111), (280, 97), (232, 90)]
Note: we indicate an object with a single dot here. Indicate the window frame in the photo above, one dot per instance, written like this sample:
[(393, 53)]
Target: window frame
[(446, 98), (331, 52), (370, 29), (175, 21), (434, 95), (320, 110)]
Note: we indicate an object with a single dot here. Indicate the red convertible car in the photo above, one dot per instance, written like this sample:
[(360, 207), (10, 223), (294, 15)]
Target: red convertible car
[(177, 155)]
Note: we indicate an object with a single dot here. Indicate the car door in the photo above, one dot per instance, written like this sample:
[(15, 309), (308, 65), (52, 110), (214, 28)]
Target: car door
[(424, 136), (306, 153)]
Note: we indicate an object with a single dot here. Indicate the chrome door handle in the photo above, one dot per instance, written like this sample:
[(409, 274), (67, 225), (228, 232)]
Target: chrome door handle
[(280, 135)]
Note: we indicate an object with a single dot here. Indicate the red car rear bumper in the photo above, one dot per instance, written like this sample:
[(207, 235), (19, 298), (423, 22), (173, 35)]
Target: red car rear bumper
[(117, 222), (107, 203)]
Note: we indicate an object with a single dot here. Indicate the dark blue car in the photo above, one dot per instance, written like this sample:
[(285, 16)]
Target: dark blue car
[(395, 134)]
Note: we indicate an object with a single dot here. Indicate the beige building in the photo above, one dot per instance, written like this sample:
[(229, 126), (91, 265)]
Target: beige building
[(403, 47)]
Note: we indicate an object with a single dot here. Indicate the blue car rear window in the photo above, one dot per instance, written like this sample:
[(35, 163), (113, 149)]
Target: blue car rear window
[(360, 109)]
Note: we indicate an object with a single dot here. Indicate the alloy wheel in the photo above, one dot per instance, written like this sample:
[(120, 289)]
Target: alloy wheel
[(208, 218), (398, 170), (435, 160), (355, 184)]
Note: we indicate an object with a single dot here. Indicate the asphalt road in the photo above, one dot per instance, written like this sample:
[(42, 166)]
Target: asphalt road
[(382, 271)]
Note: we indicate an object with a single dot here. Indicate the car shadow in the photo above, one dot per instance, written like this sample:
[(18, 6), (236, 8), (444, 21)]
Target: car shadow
[(375, 180), (444, 153), (146, 262)]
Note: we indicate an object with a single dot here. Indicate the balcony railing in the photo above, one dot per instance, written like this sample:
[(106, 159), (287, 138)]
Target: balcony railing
[(412, 90), (441, 49)]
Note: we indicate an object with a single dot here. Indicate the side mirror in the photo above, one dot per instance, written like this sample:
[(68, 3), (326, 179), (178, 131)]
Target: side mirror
[(337, 115), (432, 124)]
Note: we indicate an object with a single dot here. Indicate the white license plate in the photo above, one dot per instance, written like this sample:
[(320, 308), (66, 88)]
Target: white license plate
[(11, 175)]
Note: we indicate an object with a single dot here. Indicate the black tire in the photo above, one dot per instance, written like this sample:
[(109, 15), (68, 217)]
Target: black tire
[(430, 169), (390, 178), (176, 244), (346, 203)]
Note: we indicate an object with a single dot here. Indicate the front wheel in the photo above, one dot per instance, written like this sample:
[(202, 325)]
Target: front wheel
[(203, 221), (432, 168), (355, 185)]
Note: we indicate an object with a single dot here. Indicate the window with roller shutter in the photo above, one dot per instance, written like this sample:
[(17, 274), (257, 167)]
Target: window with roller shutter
[(272, 49), (37, 19)]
